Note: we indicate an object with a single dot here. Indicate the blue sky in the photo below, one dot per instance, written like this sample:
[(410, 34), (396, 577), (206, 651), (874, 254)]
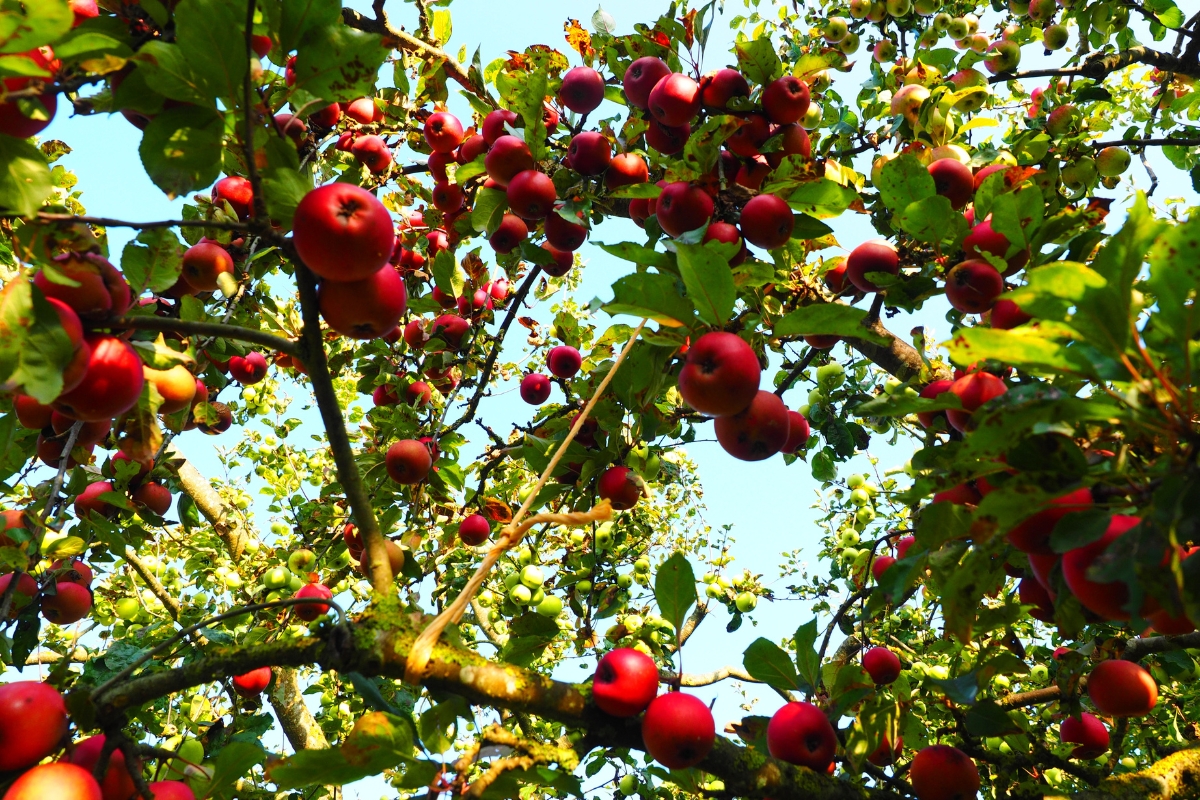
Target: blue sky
[(766, 503)]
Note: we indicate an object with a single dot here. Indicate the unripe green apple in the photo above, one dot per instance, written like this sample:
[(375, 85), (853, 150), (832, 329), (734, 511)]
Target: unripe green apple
[(885, 51), (302, 561), (746, 601), (816, 397), (714, 591), (641, 565), (812, 118), (929, 37), (830, 376), (633, 623), (724, 582), (864, 515), (859, 9), (486, 598), (578, 537), (550, 606), (127, 608), (524, 556), (511, 580), (1129, 762), (520, 594), (625, 581), (941, 21), (878, 11), (835, 30), (855, 480), (927, 8), (898, 8), (850, 43), (849, 538), (1112, 161), (583, 587), (709, 577), (1039, 673), (276, 578), (1018, 7), (628, 783), (1042, 10), (1055, 36), (958, 29), (532, 576), (1079, 174), (603, 539)]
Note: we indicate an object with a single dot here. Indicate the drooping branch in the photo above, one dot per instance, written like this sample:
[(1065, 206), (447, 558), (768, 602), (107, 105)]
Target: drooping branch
[(313, 354), (1101, 65), (406, 41), (169, 325)]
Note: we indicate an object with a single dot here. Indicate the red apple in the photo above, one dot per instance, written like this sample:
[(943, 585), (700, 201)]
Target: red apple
[(33, 722), (24, 594), (750, 136), (373, 153), (882, 665), (57, 779), (72, 571), (675, 100), (472, 148), (720, 374), (364, 111), (252, 683), (563, 361), (290, 126), (752, 174), (203, 262), (508, 156), (625, 683), (531, 194), (625, 169), (1086, 731), (443, 132), (66, 603), (683, 207), (171, 790), (621, 486), (30, 413), (786, 99), (564, 235), (13, 120), (729, 234), (89, 433), (117, 783), (248, 369), (983, 239), (973, 391), (800, 733), (942, 772), (1108, 600), (795, 142), (102, 290), (582, 90), (1031, 592), (342, 232), (1122, 689), (880, 565), (641, 77), (667, 139), (902, 545), (364, 309), (110, 387), (874, 256), (767, 222), (563, 261), (719, 87), (953, 180), (1032, 535), (238, 192), (509, 235), (1007, 315), (474, 530), (760, 431), (418, 393), (326, 117), (451, 329), (798, 432), (932, 390), (493, 124), (535, 388), (408, 461), (589, 153), (310, 611), (84, 10), (447, 197), (154, 496), (973, 286), (885, 754), (678, 730)]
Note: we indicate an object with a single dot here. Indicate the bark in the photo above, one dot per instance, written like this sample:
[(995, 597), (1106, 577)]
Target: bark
[(1173, 778), (208, 502), (297, 722)]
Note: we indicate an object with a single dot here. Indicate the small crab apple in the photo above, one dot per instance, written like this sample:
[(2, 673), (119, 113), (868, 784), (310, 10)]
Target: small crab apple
[(621, 486), (786, 99), (563, 361), (800, 733), (203, 262), (475, 530), (443, 132), (589, 153), (364, 111), (563, 261), (641, 77), (767, 221), (248, 369), (58, 779), (408, 461), (757, 432), (678, 730), (675, 100), (973, 286), (153, 496), (493, 124), (798, 432), (667, 139), (751, 135), (882, 665), (625, 682), (582, 90), (729, 234), (720, 374), (373, 153), (447, 197)]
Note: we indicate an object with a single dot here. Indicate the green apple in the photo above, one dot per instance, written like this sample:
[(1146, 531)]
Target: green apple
[(1039, 673), (625, 580), (830, 376), (898, 8), (927, 8), (958, 29), (628, 783), (127, 608), (524, 556), (302, 561), (746, 601), (641, 565), (532, 576), (1112, 161), (1055, 36), (583, 587), (835, 30), (941, 21), (850, 43), (714, 591), (520, 594)]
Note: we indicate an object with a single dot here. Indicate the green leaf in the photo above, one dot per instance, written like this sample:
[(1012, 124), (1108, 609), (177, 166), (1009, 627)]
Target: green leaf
[(832, 319), (166, 71), (641, 191), (758, 60), (987, 718), (34, 348), (638, 254), (528, 101), (298, 17), (209, 35), (821, 198), (468, 171), (940, 523), (489, 206), (1175, 280), (233, 763), (1026, 347), (181, 149), (24, 177), (24, 26), (81, 44), (930, 220), (709, 281), (153, 261), (904, 181), (675, 589), (1079, 529), (962, 689), (808, 227), (338, 63), (899, 406), (807, 660), (767, 662), (449, 276), (651, 295), (377, 742), (284, 184)]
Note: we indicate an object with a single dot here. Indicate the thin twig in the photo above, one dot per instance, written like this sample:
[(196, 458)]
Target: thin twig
[(213, 329)]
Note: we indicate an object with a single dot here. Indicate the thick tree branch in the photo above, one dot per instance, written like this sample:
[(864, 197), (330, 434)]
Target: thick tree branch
[(170, 325), (406, 41), (208, 502), (313, 355), (297, 722), (1101, 65), (1173, 778), (792, 376), (1137, 649)]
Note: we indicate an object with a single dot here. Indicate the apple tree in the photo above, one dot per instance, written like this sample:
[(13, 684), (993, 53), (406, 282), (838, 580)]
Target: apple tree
[(370, 217)]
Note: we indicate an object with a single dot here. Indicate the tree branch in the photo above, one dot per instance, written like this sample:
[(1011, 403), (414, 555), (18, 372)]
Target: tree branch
[(706, 678), (208, 502), (297, 722), (108, 222), (1100, 65), (408, 42), (1167, 142), (218, 329), (1137, 649), (801, 365), (313, 355)]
